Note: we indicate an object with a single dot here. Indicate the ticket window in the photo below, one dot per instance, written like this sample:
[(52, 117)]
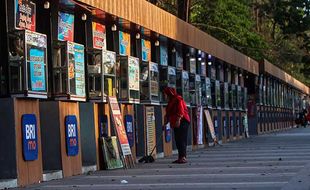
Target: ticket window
[(101, 74), (149, 81), (69, 71), (183, 85), (167, 78), (28, 64), (129, 79)]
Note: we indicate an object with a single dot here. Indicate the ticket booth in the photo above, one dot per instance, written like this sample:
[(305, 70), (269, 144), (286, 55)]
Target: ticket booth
[(23, 81)]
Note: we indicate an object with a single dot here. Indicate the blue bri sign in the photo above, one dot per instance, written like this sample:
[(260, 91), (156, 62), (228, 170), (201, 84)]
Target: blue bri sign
[(72, 143), (30, 137)]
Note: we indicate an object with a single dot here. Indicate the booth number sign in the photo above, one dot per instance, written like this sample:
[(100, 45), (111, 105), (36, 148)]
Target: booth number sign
[(30, 137), (72, 144)]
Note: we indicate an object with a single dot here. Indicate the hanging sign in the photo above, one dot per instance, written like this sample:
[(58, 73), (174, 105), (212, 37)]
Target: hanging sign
[(150, 129), (99, 36), (25, 15), (129, 129), (65, 27), (163, 54), (119, 125), (79, 69), (30, 137), (72, 139), (133, 73), (210, 124), (124, 43), (146, 50)]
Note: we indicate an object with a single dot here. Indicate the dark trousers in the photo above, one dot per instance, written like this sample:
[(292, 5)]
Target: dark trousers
[(180, 136)]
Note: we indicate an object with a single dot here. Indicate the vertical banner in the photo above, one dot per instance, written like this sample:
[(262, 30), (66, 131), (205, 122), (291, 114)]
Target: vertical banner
[(133, 74), (163, 54), (146, 50), (199, 125), (210, 124), (72, 138), (150, 129), (25, 15), (124, 43), (37, 69), (79, 70), (30, 137), (119, 127), (99, 36), (65, 27)]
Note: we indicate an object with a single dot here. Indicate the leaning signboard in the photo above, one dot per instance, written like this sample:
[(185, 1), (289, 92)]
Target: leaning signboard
[(119, 127)]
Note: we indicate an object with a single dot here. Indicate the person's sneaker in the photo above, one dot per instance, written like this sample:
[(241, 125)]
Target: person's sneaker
[(182, 161)]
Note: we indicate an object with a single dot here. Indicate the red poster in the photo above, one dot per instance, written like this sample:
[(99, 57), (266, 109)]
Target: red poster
[(119, 125), (99, 36)]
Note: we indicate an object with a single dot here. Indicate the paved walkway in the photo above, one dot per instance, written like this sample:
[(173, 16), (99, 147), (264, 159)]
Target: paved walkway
[(272, 161)]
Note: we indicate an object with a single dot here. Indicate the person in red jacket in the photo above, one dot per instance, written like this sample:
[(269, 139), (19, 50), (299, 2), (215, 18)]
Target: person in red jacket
[(177, 115)]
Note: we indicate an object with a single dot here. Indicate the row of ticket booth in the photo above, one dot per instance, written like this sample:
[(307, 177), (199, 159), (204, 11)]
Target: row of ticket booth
[(61, 60)]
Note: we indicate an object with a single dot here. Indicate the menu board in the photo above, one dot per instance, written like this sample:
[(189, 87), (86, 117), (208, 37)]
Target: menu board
[(36, 45), (25, 15), (163, 55), (79, 69), (65, 27), (146, 50), (124, 43), (133, 73), (99, 36)]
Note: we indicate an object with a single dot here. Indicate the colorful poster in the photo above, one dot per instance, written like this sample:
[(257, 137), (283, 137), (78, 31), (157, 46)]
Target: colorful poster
[(65, 27), (30, 137), (79, 70), (72, 138), (146, 50), (25, 15), (99, 36), (119, 127), (124, 43), (133, 75), (163, 55), (111, 156), (36, 39), (71, 66), (37, 70), (150, 129)]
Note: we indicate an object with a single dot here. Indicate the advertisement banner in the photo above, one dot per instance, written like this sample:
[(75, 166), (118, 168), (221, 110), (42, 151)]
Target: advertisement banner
[(150, 129), (25, 15), (146, 50), (133, 73), (72, 139), (30, 137), (124, 43), (210, 124), (99, 36), (65, 27), (37, 69), (119, 127), (163, 55), (79, 70)]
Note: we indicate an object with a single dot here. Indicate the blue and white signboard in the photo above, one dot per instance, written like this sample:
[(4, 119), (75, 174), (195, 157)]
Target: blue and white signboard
[(37, 70), (168, 133), (30, 137), (129, 129), (72, 143)]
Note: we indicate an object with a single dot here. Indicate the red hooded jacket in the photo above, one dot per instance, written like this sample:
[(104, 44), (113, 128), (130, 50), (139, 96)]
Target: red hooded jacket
[(176, 107)]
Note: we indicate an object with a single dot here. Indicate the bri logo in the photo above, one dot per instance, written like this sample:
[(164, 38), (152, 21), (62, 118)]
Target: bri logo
[(72, 144), (30, 138)]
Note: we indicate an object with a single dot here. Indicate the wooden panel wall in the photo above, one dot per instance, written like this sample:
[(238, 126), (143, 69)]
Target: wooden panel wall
[(153, 18), (71, 165), (167, 146), (98, 146), (28, 172)]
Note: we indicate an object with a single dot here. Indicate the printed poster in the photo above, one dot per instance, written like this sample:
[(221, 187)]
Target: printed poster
[(163, 55), (118, 124), (133, 75), (79, 70), (150, 129), (210, 124), (37, 70), (25, 15), (154, 80), (99, 36), (146, 50), (124, 43), (65, 27)]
